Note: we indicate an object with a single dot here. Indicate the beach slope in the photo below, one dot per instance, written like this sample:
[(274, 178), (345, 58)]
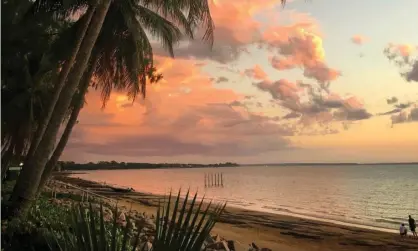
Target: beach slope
[(273, 231)]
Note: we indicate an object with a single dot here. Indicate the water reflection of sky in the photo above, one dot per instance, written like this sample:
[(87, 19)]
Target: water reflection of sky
[(372, 195)]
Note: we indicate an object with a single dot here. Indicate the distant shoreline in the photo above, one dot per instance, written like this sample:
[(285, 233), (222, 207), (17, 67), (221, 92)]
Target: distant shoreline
[(69, 166), (332, 164), (113, 165)]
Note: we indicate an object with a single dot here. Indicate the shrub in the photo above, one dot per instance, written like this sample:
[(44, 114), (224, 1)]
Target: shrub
[(183, 228)]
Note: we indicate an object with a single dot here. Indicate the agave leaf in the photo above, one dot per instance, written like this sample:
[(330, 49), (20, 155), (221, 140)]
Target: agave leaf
[(162, 238), (174, 242), (158, 220), (114, 229), (173, 220), (102, 243), (197, 229), (85, 229), (93, 229), (184, 229), (126, 234), (76, 228), (187, 237), (210, 222), (54, 243)]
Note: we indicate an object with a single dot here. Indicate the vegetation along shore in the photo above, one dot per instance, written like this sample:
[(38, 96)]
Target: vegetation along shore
[(113, 165)]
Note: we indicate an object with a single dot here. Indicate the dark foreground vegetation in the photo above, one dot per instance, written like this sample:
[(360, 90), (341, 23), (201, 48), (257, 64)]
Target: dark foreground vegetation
[(55, 51), (63, 222)]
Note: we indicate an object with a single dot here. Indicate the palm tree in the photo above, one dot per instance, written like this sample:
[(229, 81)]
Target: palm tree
[(85, 21), (29, 178), (79, 101), (138, 16), (26, 74)]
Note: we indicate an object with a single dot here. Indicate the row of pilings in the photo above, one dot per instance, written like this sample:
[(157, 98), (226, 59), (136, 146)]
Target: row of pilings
[(214, 180)]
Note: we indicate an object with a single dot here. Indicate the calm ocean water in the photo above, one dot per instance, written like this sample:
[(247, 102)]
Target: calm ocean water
[(378, 196)]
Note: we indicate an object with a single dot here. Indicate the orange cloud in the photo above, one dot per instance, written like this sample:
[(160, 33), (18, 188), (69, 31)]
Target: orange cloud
[(358, 39), (402, 56), (256, 72), (295, 46), (184, 114), (404, 50), (236, 28)]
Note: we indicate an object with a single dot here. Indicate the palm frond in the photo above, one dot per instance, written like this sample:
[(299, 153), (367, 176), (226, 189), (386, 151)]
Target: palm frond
[(198, 14), (60, 9), (159, 27)]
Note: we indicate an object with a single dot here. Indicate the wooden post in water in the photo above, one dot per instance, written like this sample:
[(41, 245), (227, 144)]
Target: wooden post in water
[(214, 179)]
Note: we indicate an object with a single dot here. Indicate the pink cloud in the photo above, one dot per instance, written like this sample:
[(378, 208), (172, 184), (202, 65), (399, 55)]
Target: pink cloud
[(294, 46), (281, 89), (183, 115), (404, 50), (402, 56), (358, 39), (256, 72), (236, 28)]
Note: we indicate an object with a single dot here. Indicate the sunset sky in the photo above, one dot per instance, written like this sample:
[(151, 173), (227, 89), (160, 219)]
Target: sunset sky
[(316, 81)]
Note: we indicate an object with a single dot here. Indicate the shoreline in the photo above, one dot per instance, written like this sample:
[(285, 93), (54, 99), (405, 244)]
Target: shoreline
[(323, 220), (274, 231), (273, 211)]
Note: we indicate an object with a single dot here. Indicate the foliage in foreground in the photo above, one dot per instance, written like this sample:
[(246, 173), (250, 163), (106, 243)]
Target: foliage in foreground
[(29, 233), (180, 225)]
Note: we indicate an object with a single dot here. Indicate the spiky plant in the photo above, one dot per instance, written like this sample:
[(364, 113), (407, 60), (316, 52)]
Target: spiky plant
[(182, 226)]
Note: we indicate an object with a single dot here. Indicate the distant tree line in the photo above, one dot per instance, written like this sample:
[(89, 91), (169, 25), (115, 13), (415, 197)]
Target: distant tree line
[(113, 165)]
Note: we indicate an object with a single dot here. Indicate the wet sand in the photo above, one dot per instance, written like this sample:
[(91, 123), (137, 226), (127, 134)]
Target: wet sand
[(273, 231)]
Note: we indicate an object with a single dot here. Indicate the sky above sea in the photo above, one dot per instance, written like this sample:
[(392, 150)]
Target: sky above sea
[(314, 81)]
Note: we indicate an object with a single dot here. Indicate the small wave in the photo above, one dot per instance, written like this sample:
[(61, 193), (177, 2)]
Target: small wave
[(396, 218), (338, 214), (388, 221), (278, 209)]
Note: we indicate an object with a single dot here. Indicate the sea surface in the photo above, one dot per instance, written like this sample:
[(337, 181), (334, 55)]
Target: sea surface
[(377, 196)]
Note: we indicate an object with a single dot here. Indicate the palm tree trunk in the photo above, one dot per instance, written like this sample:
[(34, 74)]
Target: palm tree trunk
[(27, 185), (60, 83), (49, 168), (5, 161)]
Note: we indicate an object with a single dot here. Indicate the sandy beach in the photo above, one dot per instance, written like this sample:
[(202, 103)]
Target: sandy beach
[(273, 231)]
